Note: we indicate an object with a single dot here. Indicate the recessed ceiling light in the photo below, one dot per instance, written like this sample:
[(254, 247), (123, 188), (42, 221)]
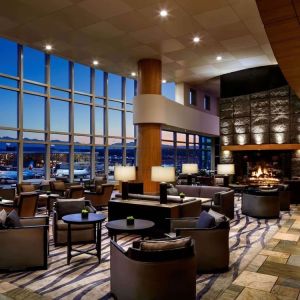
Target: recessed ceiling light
[(163, 13), (48, 47), (133, 74), (164, 81), (219, 58), (95, 62), (196, 39)]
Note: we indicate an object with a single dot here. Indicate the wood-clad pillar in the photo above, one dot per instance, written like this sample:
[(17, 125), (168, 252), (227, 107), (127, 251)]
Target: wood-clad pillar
[(149, 135)]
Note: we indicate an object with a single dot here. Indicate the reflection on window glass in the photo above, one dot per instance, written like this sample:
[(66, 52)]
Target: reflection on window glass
[(114, 123), (129, 125), (9, 115), (114, 86), (8, 162), (59, 161), (99, 83), (34, 161), (99, 120), (82, 78), (130, 156), (82, 162), (59, 72), (99, 158), (82, 118), (8, 134), (130, 89), (34, 112), (8, 57), (34, 65), (59, 116), (168, 90)]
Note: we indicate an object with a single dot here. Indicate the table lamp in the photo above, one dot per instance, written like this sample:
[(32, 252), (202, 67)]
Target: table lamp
[(189, 169), (125, 174), (163, 175), (226, 170)]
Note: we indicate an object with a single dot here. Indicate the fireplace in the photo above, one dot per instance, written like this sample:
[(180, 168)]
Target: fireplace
[(262, 167)]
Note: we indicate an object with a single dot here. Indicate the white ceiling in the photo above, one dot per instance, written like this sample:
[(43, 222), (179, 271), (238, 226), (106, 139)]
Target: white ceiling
[(120, 32)]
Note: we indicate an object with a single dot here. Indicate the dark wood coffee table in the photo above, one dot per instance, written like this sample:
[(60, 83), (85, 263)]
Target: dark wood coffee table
[(140, 227), (77, 219)]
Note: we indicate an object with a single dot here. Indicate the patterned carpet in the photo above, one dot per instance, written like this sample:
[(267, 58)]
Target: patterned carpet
[(85, 279)]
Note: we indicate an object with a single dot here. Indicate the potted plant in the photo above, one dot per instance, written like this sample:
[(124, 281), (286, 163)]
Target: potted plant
[(182, 195), (130, 220), (84, 213), (48, 193)]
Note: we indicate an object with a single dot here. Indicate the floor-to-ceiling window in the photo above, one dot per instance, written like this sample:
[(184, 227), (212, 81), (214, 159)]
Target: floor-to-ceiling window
[(179, 148), (60, 118)]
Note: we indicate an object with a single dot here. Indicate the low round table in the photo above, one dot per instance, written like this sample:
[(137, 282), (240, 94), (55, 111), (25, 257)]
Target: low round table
[(77, 219), (140, 227)]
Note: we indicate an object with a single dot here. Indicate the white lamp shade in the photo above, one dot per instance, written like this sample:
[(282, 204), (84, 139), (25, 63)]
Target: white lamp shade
[(189, 168), (225, 169), (163, 174), (125, 173)]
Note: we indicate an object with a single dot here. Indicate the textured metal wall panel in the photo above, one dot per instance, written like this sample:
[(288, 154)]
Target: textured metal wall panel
[(259, 138), (260, 124), (226, 123), (241, 139), (226, 140), (260, 107), (280, 138), (241, 106), (226, 130), (280, 123)]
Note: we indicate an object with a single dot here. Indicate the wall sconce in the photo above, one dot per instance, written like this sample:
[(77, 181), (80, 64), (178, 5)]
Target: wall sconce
[(258, 139), (241, 139)]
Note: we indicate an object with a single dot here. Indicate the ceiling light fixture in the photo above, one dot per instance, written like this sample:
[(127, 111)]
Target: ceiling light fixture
[(163, 13), (133, 74), (48, 47), (218, 58), (95, 62), (196, 39), (164, 81)]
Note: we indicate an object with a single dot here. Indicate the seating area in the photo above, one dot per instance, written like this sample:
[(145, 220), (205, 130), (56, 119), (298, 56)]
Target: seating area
[(149, 150)]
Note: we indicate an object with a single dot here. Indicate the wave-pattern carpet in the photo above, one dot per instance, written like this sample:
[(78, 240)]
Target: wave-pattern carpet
[(85, 279)]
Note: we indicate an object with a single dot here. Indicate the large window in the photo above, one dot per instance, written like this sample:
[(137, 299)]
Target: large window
[(168, 90), (62, 118)]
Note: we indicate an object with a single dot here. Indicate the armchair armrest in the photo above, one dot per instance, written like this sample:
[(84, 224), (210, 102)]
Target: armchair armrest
[(117, 246), (182, 223), (33, 221)]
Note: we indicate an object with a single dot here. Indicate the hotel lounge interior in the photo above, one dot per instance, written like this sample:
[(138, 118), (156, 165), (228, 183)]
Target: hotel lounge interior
[(149, 149)]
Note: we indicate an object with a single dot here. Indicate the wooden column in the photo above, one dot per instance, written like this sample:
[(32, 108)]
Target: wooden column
[(149, 135)]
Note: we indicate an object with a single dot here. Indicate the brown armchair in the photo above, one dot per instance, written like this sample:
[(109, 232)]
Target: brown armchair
[(27, 204), (159, 279), (8, 194), (211, 245), (101, 197), (25, 188), (80, 233), (75, 192), (58, 187), (26, 247)]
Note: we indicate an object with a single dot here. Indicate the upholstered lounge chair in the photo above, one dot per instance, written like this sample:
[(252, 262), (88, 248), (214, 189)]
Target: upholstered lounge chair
[(101, 197)]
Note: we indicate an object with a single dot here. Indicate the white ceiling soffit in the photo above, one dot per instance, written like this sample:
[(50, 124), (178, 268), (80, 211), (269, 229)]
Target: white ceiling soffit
[(120, 32)]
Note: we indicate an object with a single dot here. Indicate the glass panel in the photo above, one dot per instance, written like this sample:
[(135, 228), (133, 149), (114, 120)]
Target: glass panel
[(59, 161), (167, 135), (130, 90), (34, 64), (8, 57), (99, 101), (99, 83), (114, 123), (82, 98), (59, 72), (82, 78), (8, 163), (34, 161), (115, 157), (59, 138), (34, 112), (34, 88), (182, 156), (9, 115), (114, 86), (59, 116), (34, 136), (168, 153), (129, 125), (82, 118), (181, 137), (99, 155), (82, 162), (58, 93), (99, 140), (130, 156), (99, 121), (129, 107), (8, 135), (81, 139), (8, 82), (168, 90), (114, 104)]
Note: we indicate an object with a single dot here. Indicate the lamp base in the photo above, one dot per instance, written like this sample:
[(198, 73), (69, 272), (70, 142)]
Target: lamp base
[(163, 193), (189, 179), (124, 190), (226, 180)]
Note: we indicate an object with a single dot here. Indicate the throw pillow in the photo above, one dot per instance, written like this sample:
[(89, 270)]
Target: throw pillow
[(219, 218), (13, 220), (205, 220), (3, 216), (167, 244), (172, 191)]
